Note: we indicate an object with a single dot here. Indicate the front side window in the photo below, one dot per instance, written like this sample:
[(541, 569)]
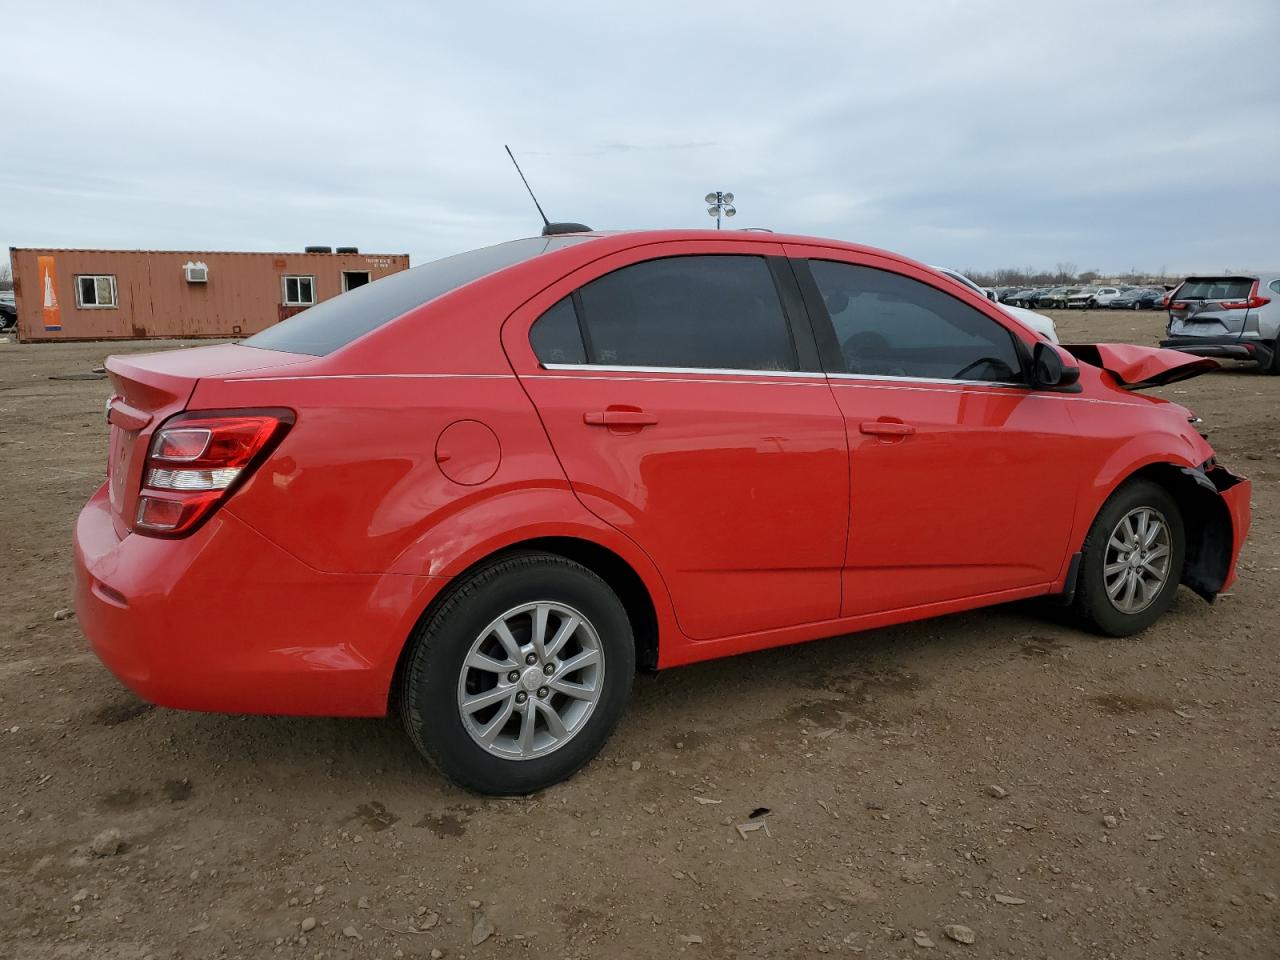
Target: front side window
[(299, 291), (95, 291), (718, 312), (890, 325)]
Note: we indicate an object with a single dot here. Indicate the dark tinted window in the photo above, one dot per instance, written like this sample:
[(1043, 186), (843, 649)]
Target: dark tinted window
[(1216, 288), (890, 325), (555, 336), (716, 312), (334, 323)]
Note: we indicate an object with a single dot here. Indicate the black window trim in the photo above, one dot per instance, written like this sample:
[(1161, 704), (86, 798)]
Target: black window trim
[(824, 331), (803, 344)]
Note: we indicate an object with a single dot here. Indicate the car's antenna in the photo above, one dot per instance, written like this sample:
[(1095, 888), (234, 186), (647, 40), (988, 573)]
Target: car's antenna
[(548, 228), (545, 221)]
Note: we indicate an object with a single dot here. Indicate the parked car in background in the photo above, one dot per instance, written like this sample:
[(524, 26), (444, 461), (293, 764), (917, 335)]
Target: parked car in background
[(1237, 317), (480, 492), (1048, 299), (8, 310), (1102, 296), (1036, 321), (1075, 297), (1078, 297), (1139, 298)]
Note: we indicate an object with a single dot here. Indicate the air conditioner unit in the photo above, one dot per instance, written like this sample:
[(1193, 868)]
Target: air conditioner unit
[(196, 272)]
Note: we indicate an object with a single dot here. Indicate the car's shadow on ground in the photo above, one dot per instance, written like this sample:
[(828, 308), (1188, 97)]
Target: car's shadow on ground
[(877, 677), (748, 692)]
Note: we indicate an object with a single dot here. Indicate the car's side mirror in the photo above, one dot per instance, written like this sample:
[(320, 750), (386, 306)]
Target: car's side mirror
[(991, 295), (1050, 370)]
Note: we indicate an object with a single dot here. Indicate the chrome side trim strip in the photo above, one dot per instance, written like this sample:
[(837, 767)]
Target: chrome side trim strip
[(591, 367), (969, 383), (378, 376)]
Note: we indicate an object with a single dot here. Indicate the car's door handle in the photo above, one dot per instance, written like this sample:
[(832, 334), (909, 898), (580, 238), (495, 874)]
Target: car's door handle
[(614, 417), (886, 428)]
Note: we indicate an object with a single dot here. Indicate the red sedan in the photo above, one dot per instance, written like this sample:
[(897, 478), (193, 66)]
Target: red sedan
[(483, 491)]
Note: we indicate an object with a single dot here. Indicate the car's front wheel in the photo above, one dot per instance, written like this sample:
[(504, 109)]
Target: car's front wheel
[(1132, 560), (519, 677)]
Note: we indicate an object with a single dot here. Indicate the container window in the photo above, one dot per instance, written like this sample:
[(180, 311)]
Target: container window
[(95, 291), (299, 291)]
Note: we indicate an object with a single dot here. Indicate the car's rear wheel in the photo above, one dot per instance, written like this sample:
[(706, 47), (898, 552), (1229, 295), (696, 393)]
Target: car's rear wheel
[(1132, 560), (1137, 304), (519, 677), (1273, 367)]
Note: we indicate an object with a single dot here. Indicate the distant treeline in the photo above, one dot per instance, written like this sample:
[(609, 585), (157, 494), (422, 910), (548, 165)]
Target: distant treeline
[(1064, 273)]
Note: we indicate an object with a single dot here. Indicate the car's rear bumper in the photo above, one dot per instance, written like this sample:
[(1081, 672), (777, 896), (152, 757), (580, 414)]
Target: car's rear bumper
[(226, 621), (1229, 347)]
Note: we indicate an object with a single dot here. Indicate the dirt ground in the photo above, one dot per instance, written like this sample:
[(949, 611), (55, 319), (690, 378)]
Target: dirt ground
[(875, 754)]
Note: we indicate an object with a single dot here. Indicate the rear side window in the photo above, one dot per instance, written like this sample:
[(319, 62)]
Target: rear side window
[(890, 325), (1216, 288), (709, 312), (555, 336), (334, 323)]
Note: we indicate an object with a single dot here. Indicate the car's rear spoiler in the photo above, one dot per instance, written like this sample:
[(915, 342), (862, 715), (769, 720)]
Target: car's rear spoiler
[(1137, 368)]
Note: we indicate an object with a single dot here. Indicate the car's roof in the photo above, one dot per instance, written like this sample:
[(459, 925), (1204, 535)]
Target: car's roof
[(756, 236)]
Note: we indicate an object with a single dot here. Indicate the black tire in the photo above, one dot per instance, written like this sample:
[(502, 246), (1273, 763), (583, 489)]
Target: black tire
[(1273, 367), (1092, 606), (1137, 304), (429, 686)]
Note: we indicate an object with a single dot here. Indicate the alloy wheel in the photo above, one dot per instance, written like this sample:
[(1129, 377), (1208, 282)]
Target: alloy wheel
[(1136, 564), (531, 680)]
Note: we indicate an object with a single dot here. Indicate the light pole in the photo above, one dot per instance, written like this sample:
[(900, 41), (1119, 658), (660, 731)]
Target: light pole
[(720, 204)]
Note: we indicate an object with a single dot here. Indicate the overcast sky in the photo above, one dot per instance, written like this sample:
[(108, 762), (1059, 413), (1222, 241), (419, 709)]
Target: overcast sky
[(981, 134)]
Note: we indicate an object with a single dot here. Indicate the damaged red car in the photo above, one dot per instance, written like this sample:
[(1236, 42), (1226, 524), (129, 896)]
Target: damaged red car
[(483, 492)]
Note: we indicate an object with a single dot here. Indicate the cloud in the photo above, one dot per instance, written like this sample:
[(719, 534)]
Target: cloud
[(983, 133)]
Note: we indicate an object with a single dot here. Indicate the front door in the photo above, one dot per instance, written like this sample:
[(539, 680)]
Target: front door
[(675, 397), (962, 479)]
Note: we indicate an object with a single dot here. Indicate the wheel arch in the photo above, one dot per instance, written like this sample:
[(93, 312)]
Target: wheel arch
[(621, 576), (1206, 519)]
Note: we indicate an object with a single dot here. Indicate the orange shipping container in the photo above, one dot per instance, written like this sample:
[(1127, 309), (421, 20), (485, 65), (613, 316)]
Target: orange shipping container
[(128, 294)]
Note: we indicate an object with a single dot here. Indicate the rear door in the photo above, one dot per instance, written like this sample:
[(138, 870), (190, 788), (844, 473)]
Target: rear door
[(689, 412), (1211, 306), (963, 480)]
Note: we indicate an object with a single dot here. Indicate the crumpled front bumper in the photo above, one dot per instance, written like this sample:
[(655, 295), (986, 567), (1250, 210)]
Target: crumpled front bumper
[(1238, 498)]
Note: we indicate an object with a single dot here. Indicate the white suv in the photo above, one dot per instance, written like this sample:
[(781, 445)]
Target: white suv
[(1091, 297)]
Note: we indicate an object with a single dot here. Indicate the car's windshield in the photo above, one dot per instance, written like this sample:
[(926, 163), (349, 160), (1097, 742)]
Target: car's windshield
[(334, 323)]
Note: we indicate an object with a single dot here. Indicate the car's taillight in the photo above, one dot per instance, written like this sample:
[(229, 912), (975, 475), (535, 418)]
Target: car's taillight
[(1252, 303), (196, 460)]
